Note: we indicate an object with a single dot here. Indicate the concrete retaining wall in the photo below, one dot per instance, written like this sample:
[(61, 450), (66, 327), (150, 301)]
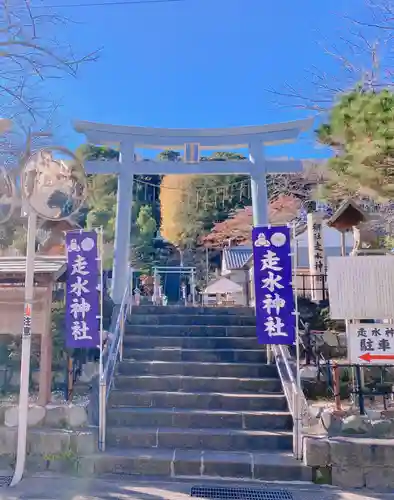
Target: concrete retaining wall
[(352, 462)]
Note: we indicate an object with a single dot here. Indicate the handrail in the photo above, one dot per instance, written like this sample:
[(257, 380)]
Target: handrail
[(286, 374), (113, 351), (296, 400)]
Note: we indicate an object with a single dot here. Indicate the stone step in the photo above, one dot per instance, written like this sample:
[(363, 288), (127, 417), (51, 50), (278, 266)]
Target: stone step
[(192, 311), (199, 419), (202, 400), (143, 341), (198, 439), (195, 319), (190, 331), (176, 383), (175, 463), (189, 368), (203, 355)]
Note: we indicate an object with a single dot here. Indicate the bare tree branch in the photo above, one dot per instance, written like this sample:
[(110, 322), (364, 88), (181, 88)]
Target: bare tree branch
[(363, 51), (32, 53)]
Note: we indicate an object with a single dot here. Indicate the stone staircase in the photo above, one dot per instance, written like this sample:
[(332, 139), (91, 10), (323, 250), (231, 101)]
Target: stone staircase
[(194, 398)]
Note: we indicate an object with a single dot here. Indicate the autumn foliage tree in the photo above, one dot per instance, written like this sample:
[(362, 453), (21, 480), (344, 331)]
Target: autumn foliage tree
[(191, 204), (179, 221), (237, 229)]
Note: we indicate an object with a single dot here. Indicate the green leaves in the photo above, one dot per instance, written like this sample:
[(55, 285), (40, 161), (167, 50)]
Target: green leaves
[(361, 132)]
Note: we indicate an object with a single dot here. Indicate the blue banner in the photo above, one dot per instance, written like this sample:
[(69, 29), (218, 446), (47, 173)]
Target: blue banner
[(82, 296), (273, 276)]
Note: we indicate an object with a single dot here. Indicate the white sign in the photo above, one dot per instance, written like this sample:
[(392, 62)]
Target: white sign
[(361, 287), (316, 254), (315, 244), (371, 344)]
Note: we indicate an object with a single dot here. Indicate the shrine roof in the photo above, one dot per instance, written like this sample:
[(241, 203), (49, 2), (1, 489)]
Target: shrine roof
[(234, 136), (55, 266), (349, 214), (236, 257)]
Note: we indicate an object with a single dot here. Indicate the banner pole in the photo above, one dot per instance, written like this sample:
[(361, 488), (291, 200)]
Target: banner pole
[(101, 267), (102, 382), (297, 409)]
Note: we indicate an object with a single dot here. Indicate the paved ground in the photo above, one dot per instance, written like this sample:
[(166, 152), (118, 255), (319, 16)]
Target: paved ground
[(66, 488)]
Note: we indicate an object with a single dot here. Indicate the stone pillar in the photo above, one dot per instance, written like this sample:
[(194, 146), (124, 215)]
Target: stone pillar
[(316, 255), (258, 184), (123, 224)]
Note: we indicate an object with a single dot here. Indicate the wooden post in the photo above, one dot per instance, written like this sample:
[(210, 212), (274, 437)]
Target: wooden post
[(45, 379)]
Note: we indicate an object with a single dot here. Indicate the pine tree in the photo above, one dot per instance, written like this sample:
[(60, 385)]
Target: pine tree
[(360, 132)]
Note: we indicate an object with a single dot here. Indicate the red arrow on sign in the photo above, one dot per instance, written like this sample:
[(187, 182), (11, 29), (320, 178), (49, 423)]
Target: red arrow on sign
[(376, 357)]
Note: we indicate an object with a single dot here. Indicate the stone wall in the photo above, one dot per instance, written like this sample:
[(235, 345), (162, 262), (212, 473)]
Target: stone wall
[(58, 439), (351, 462)]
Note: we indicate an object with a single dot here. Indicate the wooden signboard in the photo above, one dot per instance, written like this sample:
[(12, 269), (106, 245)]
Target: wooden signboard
[(11, 310)]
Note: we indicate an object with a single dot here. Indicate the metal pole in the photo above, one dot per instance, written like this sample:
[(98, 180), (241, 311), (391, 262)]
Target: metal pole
[(100, 259), (70, 378), (154, 285), (26, 349), (103, 385), (308, 342), (336, 387), (207, 266), (102, 414), (130, 292), (298, 421), (193, 292), (359, 390), (26, 333)]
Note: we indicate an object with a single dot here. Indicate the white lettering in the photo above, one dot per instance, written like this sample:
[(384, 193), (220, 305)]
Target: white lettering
[(271, 282), (79, 331), (273, 303), (79, 287), (270, 261), (273, 326), (79, 266), (81, 308)]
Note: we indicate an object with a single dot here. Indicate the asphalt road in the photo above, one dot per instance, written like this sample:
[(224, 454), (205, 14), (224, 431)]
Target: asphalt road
[(66, 488)]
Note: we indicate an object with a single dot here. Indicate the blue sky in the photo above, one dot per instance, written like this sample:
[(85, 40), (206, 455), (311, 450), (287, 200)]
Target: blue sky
[(198, 63)]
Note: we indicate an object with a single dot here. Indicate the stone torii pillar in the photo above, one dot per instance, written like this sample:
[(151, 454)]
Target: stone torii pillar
[(192, 142)]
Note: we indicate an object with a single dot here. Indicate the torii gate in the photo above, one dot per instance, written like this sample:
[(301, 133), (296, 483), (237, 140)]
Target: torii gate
[(192, 141)]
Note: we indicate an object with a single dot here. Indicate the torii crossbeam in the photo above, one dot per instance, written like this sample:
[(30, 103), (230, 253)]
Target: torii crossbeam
[(192, 141)]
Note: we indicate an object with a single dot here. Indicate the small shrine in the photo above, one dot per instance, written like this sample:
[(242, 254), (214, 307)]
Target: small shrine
[(348, 215), (48, 270), (351, 217)]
